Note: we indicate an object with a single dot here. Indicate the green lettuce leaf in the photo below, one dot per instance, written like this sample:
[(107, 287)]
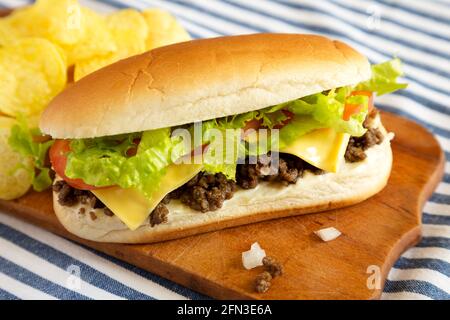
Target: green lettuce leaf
[(106, 161), (221, 155), (21, 140), (384, 78)]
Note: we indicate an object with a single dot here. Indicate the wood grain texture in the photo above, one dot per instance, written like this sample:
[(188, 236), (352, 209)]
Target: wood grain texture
[(375, 232)]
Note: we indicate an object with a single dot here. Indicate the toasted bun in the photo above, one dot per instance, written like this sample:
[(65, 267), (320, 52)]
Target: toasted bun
[(353, 183), (200, 80)]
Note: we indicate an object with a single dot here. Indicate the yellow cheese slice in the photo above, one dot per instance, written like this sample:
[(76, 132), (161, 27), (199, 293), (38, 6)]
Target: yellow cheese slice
[(323, 148), (132, 207)]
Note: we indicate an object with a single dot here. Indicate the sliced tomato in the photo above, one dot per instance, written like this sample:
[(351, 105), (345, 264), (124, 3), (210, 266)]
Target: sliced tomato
[(252, 124), (351, 109), (58, 158), (366, 93)]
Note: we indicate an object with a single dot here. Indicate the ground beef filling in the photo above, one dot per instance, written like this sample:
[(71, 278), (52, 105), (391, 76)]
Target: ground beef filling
[(69, 196), (207, 192), (159, 214), (290, 169), (357, 145)]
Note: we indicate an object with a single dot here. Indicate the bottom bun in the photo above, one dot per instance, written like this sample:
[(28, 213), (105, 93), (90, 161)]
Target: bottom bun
[(353, 183)]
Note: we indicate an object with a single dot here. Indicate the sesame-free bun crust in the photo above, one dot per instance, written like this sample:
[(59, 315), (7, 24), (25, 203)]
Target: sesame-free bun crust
[(199, 80), (354, 183)]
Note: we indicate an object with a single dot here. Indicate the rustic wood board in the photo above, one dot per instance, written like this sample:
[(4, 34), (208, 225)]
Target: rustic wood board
[(375, 232)]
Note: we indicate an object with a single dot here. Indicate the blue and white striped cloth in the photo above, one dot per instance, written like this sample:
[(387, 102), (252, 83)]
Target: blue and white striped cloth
[(34, 264)]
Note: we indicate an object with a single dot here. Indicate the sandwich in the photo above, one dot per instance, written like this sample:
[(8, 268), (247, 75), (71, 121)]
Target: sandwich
[(216, 133)]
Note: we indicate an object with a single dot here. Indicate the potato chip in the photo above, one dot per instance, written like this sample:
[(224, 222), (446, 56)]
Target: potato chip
[(6, 33), (83, 68), (60, 21), (97, 41), (15, 178), (17, 24), (129, 30), (33, 72), (163, 29)]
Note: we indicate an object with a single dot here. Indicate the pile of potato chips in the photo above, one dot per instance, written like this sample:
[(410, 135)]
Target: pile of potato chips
[(52, 42)]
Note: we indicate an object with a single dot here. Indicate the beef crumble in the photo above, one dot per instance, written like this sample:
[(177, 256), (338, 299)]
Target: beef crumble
[(273, 266), (159, 214), (205, 192), (272, 269), (290, 169), (69, 196), (262, 282), (357, 145)]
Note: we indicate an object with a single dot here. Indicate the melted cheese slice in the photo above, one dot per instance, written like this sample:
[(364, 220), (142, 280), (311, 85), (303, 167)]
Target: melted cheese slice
[(323, 148), (132, 207)]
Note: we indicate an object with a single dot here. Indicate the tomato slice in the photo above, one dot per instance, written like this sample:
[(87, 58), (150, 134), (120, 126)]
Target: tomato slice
[(351, 109), (289, 115), (58, 158), (253, 124), (366, 93)]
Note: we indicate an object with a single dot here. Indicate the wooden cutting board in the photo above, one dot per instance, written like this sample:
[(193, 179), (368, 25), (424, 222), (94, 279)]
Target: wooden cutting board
[(375, 233)]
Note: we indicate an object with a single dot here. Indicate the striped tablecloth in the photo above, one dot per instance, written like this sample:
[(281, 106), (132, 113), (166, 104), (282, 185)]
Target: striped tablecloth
[(34, 264)]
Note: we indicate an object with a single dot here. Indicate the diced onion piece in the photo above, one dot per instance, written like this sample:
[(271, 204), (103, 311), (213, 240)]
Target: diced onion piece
[(253, 258), (328, 234), (390, 136)]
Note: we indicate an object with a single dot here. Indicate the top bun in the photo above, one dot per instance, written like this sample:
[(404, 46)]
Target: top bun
[(200, 80)]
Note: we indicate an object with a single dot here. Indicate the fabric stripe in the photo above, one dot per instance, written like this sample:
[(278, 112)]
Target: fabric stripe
[(435, 242), (5, 295), (21, 290), (432, 27), (187, 293), (435, 219), (60, 262), (421, 287), (137, 282), (426, 275), (41, 267), (428, 253), (36, 281), (431, 230), (432, 264), (403, 295), (421, 8), (437, 208), (14, 3), (440, 198), (396, 14), (318, 10), (443, 188)]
